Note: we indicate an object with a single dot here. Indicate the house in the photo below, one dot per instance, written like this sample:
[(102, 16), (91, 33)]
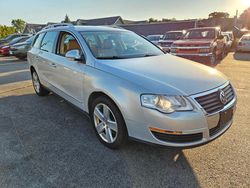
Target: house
[(33, 28), (115, 20), (159, 28)]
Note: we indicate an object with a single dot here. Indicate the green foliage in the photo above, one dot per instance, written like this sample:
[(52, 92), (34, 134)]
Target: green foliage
[(245, 18), (219, 15), (19, 24), (152, 20), (66, 19), (6, 30)]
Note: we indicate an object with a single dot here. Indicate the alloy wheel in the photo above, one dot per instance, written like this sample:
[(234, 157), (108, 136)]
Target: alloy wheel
[(105, 123), (36, 82)]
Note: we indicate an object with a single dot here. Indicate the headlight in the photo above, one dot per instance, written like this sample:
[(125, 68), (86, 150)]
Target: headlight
[(166, 104)]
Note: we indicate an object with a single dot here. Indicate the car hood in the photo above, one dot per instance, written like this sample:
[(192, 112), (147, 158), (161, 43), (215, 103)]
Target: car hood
[(194, 42), (165, 74)]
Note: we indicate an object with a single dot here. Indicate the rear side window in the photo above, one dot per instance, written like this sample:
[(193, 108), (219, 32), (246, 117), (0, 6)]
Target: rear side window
[(38, 40), (48, 42)]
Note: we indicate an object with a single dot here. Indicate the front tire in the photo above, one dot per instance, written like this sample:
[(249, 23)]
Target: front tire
[(38, 87), (108, 122)]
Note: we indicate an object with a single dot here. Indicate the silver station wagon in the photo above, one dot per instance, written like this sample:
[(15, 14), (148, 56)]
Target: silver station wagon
[(130, 88)]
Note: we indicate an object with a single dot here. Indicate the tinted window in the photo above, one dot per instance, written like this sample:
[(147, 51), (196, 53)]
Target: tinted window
[(49, 41), (200, 34), (38, 40), (173, 36)]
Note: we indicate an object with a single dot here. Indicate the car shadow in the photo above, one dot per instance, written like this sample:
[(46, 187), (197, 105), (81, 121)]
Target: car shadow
[(242, 56), (47, 142)]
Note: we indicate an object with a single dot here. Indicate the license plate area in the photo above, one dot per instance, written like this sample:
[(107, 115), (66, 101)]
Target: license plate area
[(226, 116)]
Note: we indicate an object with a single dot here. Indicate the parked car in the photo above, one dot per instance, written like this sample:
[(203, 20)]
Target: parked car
[(228, 42), (230, 34), (244, 43), (154, 38), (132, 90), (11, 37), (204, 45), (20, 49), (5, 49), (169, 38)]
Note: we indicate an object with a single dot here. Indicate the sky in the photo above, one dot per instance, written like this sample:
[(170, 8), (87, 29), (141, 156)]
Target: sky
[(43, 11)]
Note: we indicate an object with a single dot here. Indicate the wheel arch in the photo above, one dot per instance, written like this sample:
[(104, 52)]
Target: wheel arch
[(97, 94)]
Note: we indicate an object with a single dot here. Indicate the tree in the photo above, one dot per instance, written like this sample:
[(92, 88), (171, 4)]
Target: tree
[(18, 24), (6, 30), (219, 15), (66, 19), (152, 20), (245, 18)]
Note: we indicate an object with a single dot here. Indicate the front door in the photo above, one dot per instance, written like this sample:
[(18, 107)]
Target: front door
[(70, 74)]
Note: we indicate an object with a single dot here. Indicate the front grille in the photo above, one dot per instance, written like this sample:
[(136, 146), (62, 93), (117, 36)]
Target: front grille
[(211, 103), (178, 138)]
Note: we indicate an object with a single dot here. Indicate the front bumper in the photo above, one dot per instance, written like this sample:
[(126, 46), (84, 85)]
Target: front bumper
[(183, 129)]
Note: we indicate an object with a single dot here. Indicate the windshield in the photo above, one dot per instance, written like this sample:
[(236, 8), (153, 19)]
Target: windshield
[(173, 36), (119, 45), (154, 37), (246, 38), (19, 39), (200, 34), (30, 40)]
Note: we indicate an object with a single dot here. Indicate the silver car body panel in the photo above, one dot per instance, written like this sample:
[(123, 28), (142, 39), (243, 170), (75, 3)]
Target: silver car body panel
[(125, 80)]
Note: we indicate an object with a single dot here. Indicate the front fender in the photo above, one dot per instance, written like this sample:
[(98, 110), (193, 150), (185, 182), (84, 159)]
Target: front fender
[(125, 94)]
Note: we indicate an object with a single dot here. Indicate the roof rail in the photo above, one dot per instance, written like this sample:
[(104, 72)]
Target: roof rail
[(57, 25)]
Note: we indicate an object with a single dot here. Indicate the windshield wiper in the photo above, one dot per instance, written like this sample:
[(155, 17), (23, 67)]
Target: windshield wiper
[(111, 57), (148, 55)]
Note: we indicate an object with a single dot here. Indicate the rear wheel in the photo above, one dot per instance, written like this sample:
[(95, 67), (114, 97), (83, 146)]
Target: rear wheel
[(39, 89), (108, 122)]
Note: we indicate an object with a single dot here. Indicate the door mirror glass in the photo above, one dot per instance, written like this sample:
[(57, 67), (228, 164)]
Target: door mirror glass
[(73, 55)]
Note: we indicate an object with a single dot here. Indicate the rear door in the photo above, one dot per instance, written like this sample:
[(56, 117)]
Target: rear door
[(46, 61)]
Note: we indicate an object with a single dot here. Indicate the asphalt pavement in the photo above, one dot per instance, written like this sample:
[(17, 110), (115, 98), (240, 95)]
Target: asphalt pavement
[(46, 142)]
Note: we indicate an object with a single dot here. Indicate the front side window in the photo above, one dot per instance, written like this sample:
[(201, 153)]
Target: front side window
[(38, 40), (119, 44), (67, 43), (200, 34), (48, 41)]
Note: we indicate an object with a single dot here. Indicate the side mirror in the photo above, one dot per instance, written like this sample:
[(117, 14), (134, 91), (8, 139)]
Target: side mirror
[(74, 55)]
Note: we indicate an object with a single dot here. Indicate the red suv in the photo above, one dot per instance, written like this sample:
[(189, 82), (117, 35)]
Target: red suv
[(204, 45)]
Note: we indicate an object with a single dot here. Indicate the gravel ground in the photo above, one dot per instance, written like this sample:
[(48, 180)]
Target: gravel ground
[(46, 142)]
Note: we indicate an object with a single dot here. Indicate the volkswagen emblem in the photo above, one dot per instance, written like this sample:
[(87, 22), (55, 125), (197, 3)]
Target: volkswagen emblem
[(223, 97)]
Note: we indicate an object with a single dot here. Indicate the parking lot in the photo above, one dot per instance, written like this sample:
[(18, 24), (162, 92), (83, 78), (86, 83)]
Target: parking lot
[(46, 142)]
